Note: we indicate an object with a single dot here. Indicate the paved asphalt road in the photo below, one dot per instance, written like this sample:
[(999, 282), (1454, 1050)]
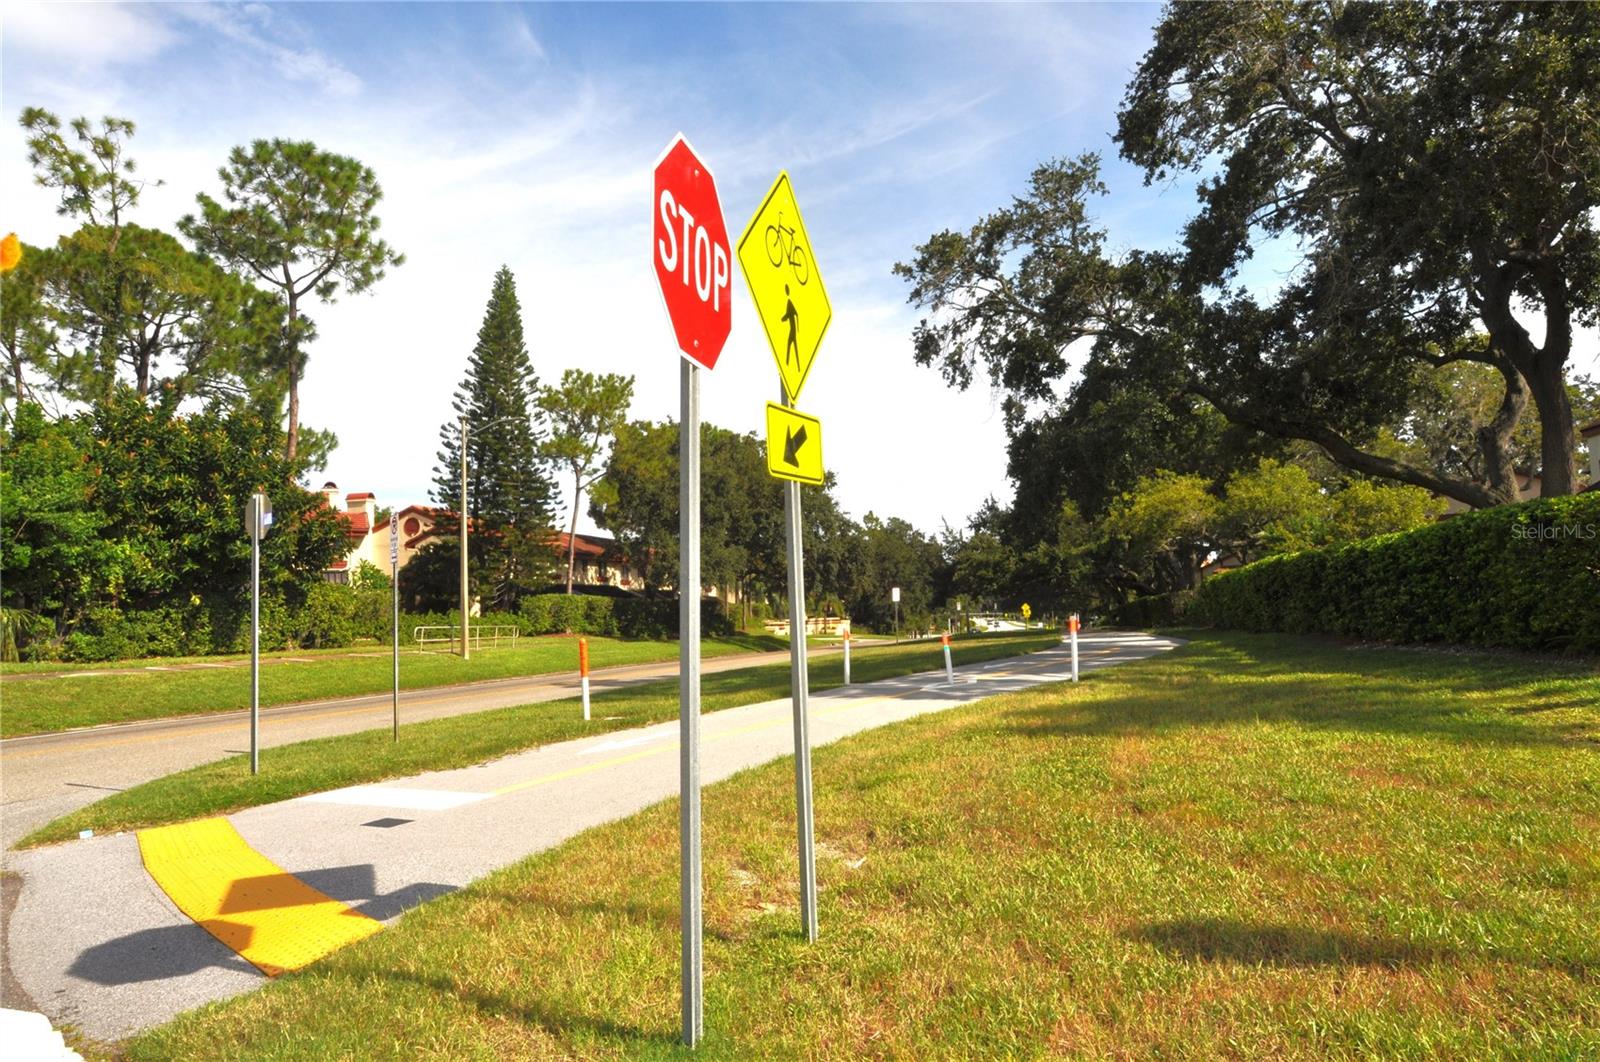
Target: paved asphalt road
[(96, 943), (44, 776)]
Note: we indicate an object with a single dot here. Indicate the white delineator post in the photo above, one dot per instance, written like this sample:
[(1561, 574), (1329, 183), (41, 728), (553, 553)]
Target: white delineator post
[(1072, 628), (583, 674), (949, 669), (847, 658)]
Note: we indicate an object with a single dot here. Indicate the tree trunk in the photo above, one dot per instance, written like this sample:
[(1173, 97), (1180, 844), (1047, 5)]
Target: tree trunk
[(1544, 368), (293, 443), (572, 532), (1494, 438), (1556, 458)]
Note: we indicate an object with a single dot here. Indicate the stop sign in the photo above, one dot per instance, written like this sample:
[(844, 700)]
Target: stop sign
[(689, 246)]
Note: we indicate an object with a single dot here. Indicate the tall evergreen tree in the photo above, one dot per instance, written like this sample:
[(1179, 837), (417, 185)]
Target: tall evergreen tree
[(510, 493)]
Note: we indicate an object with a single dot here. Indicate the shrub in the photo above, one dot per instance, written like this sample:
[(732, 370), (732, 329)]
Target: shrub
[(1523, 576)]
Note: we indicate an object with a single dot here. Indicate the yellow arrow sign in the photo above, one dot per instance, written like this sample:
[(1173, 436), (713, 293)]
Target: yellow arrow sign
[(794, 445), (775, 254)]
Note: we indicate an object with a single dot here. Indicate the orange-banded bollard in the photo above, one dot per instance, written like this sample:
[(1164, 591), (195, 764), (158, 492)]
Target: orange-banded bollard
[(949, 670), (583, 674), (1072, 628), (847, 656)]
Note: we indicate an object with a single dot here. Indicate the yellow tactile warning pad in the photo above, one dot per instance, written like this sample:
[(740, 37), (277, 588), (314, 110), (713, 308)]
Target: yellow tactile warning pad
[(242, 898)]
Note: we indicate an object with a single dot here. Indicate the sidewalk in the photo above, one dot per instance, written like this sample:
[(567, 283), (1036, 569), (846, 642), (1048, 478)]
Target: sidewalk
[(95, 941)]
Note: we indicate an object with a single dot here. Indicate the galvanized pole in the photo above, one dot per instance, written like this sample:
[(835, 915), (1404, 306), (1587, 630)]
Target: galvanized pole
[(798, 690), (689, 700), (394, 581), (466, 647), (255, 634)]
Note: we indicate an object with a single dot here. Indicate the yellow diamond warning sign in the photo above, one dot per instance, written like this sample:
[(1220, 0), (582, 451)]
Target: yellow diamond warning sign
[(794, 445), (775, 254)]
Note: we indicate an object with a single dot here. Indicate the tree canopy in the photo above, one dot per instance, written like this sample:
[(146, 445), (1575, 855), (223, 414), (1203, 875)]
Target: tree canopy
[(302, 221)]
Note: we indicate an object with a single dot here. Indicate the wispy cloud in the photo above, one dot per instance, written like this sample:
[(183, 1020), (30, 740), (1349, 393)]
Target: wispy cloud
[(258, 29)]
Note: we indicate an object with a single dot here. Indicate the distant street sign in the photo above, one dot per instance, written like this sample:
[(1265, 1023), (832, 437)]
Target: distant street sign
[(257, 516), (794, 445), (689, 246), (1027, 613), (775, 255), (394, 539)]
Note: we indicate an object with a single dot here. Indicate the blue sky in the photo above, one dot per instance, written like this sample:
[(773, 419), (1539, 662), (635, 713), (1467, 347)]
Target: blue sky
[(524, 135)]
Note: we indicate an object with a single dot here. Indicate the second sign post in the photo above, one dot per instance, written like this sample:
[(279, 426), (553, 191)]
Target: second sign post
[(776, 258)]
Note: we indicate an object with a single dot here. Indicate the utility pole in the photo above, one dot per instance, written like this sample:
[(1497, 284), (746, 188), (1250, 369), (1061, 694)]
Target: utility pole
[(466, 605)]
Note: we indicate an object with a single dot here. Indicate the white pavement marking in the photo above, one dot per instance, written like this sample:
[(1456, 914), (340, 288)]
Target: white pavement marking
[(388, 796), (626, 743)]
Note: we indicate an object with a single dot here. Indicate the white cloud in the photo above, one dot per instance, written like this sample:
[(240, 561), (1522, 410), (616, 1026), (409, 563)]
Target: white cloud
[(257, 28), (83, 35)]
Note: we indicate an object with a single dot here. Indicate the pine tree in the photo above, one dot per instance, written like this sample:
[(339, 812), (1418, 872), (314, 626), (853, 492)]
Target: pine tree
[(510, 493)]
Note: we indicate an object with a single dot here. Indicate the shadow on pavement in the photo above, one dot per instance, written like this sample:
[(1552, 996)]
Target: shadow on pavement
[(180, 950), (156, 955)]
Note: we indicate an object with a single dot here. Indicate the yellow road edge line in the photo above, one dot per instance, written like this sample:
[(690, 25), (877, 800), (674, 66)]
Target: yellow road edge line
[(270, 917)]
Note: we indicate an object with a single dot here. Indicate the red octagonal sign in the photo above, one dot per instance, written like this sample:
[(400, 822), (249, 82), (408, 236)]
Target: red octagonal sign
[(691, 253)]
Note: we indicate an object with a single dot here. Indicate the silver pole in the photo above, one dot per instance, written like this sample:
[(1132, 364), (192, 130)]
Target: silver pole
[(394, 581), (798, 689), (466, 647), (689, 700), (255, 635)]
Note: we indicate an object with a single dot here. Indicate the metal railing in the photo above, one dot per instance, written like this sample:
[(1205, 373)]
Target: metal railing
[(480, 635)]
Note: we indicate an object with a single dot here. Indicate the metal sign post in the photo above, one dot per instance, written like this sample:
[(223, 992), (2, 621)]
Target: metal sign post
[(689, 699), (798, 692), (466, 647), (394, 583), (257, 518), (778, 262), (894, 595), (690, 253)]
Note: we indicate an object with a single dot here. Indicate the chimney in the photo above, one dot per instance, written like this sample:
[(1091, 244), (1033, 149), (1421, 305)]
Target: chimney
[(330, 494), (363, 503)]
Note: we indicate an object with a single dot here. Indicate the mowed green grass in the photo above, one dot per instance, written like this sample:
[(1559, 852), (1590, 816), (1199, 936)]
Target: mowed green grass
[(42, 705), (460, 741), (1255, 846)]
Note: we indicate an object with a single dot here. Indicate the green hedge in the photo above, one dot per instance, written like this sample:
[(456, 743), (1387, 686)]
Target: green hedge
[(1523, 576), (620, 617), (335, 616)]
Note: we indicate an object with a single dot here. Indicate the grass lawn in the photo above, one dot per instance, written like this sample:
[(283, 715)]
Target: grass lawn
[(41, 705), (460, 741), (1255, 846)]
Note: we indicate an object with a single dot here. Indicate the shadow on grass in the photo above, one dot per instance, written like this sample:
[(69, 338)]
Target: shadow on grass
[(1241, 679), (531, 1012), (1230, 940)]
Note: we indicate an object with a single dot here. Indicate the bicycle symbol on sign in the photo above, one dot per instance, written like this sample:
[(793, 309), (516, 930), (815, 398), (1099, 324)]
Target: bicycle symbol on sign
[(781, 248)]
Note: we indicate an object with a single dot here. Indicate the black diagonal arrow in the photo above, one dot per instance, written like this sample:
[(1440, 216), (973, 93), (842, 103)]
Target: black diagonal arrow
[(792, 442)]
